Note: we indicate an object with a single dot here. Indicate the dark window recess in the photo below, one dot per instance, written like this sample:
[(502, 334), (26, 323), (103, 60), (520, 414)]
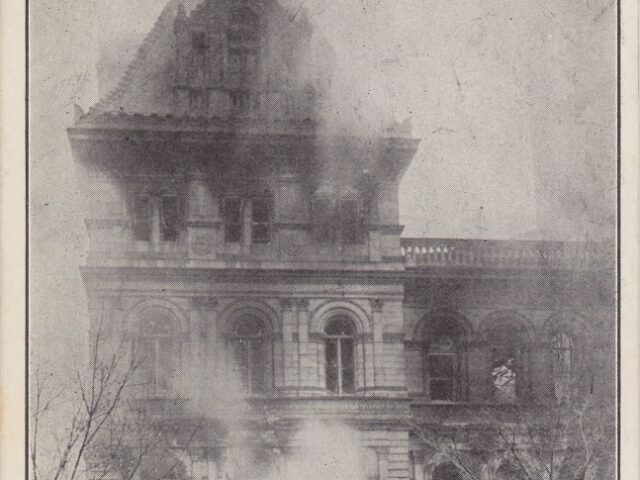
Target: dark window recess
[(260, 221), (169, 219), (441, 376), (442, 369), (340, 354), (142, 216), (232, 220), (350, 224)]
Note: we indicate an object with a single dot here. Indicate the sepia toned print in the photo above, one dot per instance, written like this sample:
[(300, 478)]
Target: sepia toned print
[(269, 293)]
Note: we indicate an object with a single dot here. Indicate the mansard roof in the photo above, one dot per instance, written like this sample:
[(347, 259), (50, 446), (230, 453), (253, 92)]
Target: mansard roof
[(288, 90), (146, 87), (149, 84)]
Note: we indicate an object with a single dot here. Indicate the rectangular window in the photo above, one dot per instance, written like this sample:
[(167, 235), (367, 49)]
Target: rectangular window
[(260, 221), (169, 219), (441, 376), (142, 218), (232, 220)]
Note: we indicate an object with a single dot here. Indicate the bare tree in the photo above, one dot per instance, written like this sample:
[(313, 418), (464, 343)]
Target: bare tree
[(552, 441), (97, 428)]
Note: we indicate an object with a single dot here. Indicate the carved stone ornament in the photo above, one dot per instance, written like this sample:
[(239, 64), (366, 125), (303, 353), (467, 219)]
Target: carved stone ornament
[(377, 304), (202, 245)]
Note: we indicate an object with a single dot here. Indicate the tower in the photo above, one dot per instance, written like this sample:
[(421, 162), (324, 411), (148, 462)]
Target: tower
[(246, 250)]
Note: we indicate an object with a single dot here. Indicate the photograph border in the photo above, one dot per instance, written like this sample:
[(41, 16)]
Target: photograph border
[(14, 239)]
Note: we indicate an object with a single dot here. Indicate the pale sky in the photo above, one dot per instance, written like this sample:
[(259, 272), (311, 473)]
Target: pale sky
[(514, 102)]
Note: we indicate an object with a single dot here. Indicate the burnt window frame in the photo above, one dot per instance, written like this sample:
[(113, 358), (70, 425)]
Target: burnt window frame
[(434, 328), (340, 340), (155, 216), (515, 345)]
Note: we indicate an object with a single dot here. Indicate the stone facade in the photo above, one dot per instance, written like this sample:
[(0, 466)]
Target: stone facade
[(249, 247)]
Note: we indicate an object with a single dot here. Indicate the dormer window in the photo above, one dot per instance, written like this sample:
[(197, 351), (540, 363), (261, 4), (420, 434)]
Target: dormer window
[(337, 220), (155, 218)]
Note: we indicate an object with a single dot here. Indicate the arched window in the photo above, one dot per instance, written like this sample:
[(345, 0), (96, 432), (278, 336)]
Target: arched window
[(445, 359), (340, 353), (248, 348), (509, 362), (447, 471), (156, 348), (562, 364)]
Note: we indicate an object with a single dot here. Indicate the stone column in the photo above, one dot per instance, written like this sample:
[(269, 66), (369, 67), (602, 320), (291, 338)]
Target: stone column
[(418, 465), (307, 354), (383, 463), (377, 365), (289, 347)]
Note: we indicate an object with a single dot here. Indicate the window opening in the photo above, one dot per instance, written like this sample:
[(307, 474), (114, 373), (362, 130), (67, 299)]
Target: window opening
[(232, 220), (507, 363), (260, 217), (442, 368), (249, 354), (340, 353), (157, 355)]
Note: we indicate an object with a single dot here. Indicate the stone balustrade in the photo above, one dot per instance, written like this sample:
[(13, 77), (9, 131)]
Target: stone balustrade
[(449, 252)]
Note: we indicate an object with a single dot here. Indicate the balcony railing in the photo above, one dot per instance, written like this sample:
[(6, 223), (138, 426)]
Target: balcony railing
[(449, 252)]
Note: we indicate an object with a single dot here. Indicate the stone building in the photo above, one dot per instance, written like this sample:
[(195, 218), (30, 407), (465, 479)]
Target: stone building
[(235, 238)]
